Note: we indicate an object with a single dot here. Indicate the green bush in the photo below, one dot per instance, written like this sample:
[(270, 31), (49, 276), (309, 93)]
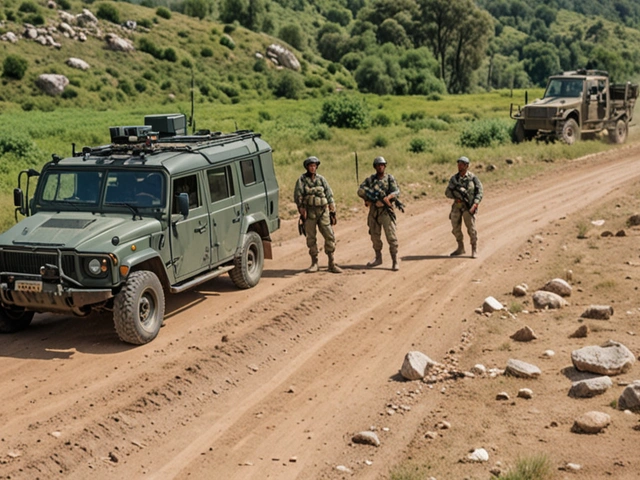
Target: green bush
[(35, 19), (29, 7), (207, 52), (126, 87), (146, 23), (69, 93), (64, 4), (485, 133), (186, 63), (108, 12), (345, 111), (14, 66), (289, 85), (381, 119), (293, 35), (264, 115), (313, 82), (21, 147), (170, 55), (417, 145), (380, 141), (140, 86), (163, 12), (260, 65), (228, 42), (229, 28), (319, 132)]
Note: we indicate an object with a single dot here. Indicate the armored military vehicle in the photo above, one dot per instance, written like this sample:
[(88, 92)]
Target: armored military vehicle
[(577, 104), (118, 226)]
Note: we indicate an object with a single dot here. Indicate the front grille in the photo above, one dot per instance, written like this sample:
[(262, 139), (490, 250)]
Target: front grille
[(540, 112), (30, 262)]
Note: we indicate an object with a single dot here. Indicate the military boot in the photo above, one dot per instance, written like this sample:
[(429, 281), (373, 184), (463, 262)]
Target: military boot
[(395, 266), (459, 251), (376, 261), (333, 268), (474, 250), (314, 264)]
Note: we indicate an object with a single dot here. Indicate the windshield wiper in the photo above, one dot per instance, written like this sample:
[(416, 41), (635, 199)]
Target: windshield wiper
[(131, 207)]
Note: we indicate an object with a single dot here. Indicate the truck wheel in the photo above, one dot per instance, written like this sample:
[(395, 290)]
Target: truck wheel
[(570, 132), (14, 319), (249, 263), (618, 134), (518, 135), (138, 310)]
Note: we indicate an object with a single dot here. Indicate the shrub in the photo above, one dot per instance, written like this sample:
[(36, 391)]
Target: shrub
[(293, 35), (260, 65), (381, 119), (163, 12), (380, 141), (313, 82), (21, 146), (14, 66), (228, 42), (64, 4), (35, 19), (485, 133), (126, 87), (69, 93), (146, 23), (537, 467), (319, 132), (28, 7), (417, 145), (147, 46), (229, 90), (170, 55), (186, 63), (108, 12), (229, 28), (345, 111), (207, 52), (140, 86), (289, 85), (264, 115), (166, 85)]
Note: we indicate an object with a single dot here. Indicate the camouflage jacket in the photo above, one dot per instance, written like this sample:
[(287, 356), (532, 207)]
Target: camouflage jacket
[(312, 192), (467, 188), (374, 188)]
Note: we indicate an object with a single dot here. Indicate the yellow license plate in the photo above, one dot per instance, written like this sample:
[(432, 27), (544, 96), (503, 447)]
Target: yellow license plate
[(28, 286)]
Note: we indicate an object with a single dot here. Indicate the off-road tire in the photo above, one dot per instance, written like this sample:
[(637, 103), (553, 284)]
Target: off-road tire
[(519, 134), (138, 309), (619, 133), (14, 319), (569, 132), (249, 262)]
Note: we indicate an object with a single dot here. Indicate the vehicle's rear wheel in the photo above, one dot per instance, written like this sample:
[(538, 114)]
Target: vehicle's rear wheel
[(570, 132), (14, 319), (619, 134), (249, 263), (138, 310)]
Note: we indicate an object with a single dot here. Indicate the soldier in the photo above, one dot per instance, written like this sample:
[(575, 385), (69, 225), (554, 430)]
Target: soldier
[(379, 192), (314, 198), (466, 191)]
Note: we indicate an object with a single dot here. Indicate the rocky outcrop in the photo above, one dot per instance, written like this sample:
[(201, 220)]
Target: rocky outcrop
[(283, 57), (52, 84)]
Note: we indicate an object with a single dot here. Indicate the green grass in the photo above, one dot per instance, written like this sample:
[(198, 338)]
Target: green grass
[(537, 467)]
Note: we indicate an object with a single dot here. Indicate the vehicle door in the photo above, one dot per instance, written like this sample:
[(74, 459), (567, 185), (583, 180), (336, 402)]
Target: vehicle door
[(252, 188), (191, 236), (224, 212)]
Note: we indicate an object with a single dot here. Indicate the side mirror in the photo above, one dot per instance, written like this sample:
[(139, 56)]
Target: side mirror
[(183, 204), (18, 200)]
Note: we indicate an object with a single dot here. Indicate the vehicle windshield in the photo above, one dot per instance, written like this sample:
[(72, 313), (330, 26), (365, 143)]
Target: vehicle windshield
[(74, 189), (564, 87)]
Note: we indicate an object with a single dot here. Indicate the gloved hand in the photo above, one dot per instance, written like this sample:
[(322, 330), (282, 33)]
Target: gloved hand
[(473, 209), (332, 218)]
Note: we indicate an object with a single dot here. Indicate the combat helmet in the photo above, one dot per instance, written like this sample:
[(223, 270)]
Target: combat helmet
[(308, 161), (379, 161), (463, 160)]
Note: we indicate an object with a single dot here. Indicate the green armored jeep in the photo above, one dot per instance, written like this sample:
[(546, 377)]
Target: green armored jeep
[(156, 211)]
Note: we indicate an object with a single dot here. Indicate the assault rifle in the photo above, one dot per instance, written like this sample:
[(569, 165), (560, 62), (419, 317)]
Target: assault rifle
[(374, 196), (462, 193)]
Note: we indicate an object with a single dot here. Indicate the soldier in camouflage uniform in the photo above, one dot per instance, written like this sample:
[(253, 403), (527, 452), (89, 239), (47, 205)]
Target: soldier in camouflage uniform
[(379, 191), (466, 191), (314, 198)]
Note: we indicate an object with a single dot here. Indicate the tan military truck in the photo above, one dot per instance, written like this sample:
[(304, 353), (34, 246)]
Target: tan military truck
[(577, 104)]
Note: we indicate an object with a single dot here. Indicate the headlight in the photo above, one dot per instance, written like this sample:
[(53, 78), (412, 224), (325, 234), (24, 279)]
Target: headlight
[(96, 267)]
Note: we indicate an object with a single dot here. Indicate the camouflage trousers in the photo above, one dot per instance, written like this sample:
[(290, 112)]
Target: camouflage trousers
[(457, 215), (318, 219), (378, 220)]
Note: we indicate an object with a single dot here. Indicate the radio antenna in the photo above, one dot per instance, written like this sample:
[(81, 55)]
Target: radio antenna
[(192, 120)]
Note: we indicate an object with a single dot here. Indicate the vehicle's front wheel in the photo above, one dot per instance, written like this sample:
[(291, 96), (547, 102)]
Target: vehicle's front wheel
[(14, 319), (519, 134), (138, 309), (619, 134), (570, 132), (249, 263)]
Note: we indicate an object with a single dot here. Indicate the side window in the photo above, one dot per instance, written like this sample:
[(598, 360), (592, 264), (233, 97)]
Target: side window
[(220, 183), (248, 172), (187, 185)]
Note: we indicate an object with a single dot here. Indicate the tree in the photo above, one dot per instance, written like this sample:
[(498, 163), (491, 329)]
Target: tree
[(14, 66), (540, 60), (293, 35), (390, 31)]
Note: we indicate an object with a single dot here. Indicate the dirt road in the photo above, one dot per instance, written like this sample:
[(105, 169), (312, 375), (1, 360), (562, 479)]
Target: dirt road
[(273, 382)]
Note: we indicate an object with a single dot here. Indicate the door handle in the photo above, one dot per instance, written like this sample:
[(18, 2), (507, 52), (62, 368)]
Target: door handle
[(201, 229)]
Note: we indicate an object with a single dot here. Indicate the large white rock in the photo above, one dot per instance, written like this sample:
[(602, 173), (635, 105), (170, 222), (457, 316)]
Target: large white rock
[(490, 304), (591, 422), (118, 44), (590, 387), (518, 368), (559, 286), (52, 84), (612, 358), (415, 365), (543, 299), (77, 63), (285, 57)]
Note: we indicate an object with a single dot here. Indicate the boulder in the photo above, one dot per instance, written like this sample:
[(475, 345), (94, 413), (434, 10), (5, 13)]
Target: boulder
[(581, 332), (598, 312), (490, 305), (366, 438), (415, 365), (591, 422), (77, 63), (543, 300), (86, 18), (283, 56), (52, 84), (118, 44), (630, 398), (519, 290), (612, 358), (518, 368), (9, 37), (525, 334), (559, 286), (590, 387)]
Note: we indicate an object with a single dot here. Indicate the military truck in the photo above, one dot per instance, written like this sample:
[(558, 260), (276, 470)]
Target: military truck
[(577, 104), (118, 226)]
